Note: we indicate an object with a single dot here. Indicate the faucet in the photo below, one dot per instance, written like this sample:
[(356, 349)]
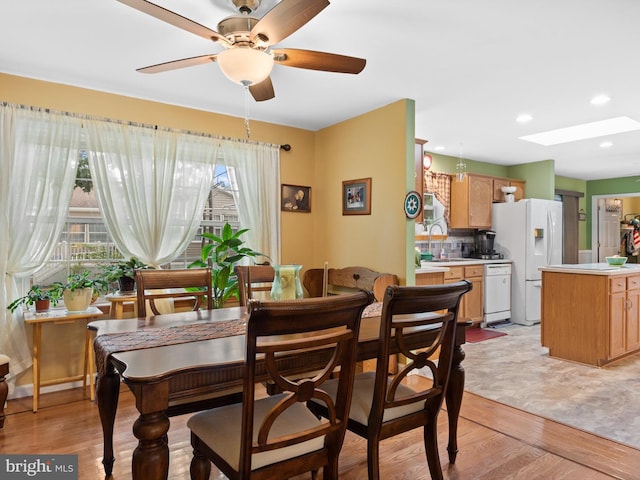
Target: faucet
[(430, 232)]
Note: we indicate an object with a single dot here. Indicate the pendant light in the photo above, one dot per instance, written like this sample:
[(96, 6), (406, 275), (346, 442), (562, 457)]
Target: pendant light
[(461, 167)]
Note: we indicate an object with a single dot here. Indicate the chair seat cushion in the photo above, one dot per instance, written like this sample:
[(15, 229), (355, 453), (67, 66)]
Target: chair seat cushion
[(220, 429), (363, 386), (4, 359)]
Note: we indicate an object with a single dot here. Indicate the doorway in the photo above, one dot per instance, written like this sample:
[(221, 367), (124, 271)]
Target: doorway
[(606, 220)]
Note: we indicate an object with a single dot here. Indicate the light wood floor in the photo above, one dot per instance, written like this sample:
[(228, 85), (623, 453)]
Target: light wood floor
[(496, 442)]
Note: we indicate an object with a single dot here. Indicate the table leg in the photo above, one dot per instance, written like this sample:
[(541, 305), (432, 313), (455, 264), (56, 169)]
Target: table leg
[(151, 456), (36, 352), (90, 363), (107, 392), (454, 394)]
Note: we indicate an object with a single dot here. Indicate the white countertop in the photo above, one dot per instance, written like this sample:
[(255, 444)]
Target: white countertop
[(435, 267), (593, 269)]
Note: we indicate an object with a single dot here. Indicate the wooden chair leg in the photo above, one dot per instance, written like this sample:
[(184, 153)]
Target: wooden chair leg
[(200, 468), (4, 388), (373, 458), (431, 448)]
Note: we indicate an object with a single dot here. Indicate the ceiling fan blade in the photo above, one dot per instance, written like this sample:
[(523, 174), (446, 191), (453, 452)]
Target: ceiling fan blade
[(175, 19), (329, 62), (263, 90), (285, 18), (175, 64)]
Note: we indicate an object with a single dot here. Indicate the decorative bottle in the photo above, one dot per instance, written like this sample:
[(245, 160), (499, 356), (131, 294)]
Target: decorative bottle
[(286, 282)]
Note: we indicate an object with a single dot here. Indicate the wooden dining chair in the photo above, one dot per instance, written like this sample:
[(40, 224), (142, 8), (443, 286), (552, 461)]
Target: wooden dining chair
[(193, 285), (384, 405), (277, 436), (254, 282)]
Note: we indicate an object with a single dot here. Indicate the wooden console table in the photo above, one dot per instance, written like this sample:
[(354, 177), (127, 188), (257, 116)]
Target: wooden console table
[(56, 317), (118, 302)]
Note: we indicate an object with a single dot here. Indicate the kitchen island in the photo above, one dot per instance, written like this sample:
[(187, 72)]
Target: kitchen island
[(591, 312)]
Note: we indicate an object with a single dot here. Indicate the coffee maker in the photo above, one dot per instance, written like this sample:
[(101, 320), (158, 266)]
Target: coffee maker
[(483, 245)]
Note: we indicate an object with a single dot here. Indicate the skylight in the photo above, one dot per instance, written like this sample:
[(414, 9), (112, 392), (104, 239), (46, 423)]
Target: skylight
[(584, 131)]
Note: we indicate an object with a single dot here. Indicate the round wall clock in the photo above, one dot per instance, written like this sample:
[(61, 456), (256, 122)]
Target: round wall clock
[(426, 161), (412, 204)]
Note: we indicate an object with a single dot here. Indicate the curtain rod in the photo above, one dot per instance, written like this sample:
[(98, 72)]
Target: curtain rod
[(286, 147)]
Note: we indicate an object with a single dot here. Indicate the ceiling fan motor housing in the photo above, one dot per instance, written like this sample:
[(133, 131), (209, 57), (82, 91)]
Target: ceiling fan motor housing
[(236, 29)]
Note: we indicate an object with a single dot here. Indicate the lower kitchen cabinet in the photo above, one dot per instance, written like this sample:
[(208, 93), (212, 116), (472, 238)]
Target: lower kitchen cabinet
[(591, 319), (472, 302)]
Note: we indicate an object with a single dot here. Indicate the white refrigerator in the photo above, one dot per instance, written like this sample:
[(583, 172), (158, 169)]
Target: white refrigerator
[(528, 232)]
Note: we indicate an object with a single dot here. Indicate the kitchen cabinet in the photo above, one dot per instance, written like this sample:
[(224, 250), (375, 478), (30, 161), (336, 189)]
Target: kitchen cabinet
[(434, 278), (519, 193), (419, 171), (590, 318), (471, 307), (471, 201)]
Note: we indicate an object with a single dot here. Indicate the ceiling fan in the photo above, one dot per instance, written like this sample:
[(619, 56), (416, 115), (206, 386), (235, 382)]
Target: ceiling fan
[(248, 56)]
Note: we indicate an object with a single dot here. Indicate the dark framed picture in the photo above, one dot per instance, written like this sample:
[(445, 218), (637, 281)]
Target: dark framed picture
[(295, 198), (356, 197)]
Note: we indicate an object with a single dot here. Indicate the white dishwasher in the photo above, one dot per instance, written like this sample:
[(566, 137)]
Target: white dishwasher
[(497, 292)]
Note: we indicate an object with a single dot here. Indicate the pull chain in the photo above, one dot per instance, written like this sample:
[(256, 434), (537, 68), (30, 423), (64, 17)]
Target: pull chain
[(246, 109)]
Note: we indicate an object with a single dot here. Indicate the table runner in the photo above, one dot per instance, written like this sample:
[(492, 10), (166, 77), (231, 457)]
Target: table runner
[(149, 337)]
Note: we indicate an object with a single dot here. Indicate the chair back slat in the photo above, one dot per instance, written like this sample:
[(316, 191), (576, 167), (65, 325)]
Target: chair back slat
[(155, 285), (254, 282)]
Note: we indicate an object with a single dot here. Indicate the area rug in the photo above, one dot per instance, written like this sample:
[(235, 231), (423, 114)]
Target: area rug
[(475, 335)]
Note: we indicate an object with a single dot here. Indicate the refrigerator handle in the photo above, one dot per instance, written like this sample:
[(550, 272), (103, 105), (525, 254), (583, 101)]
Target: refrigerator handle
[(549, 236)]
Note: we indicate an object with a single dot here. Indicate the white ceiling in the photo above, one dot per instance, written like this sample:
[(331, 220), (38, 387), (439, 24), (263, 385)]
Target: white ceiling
[(471, 66)]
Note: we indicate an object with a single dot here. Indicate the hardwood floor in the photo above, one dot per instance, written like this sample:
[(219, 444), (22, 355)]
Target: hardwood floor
[(496, 442)]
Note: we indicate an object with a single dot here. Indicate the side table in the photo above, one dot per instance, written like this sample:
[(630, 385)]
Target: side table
[(118, 302), (57, 317)]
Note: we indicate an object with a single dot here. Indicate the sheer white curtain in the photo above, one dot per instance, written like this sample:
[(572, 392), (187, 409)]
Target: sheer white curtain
[(151, 186), (254, 173), (38, 160)]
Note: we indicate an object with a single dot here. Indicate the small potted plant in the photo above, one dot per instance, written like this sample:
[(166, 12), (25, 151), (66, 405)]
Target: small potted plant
[(39, 296), (78, 291), (124, 272), (223, 253)]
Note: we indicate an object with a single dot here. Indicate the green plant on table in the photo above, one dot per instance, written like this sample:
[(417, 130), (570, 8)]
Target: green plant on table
[(35, 293), (222, 254), (125, 268), (77, 281)]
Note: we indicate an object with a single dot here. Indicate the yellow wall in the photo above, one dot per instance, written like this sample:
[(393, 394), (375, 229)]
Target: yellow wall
[(370, 145)]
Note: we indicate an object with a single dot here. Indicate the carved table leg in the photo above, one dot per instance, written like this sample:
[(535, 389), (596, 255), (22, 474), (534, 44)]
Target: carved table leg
[(151, 456), (454, 394), (107, 393)]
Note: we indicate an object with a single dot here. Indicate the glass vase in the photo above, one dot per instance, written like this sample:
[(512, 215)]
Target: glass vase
[(286, 282)]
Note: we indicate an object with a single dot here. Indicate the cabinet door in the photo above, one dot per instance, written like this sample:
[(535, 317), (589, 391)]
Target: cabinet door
[(436, 278), (617, 317), (480, 200), (472, 301), (498, 183), (633, 321), (519, 193)]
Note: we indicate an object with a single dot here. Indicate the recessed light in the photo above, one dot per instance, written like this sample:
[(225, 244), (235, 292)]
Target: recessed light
[(524, 118), (440, 148), (600, 99), (606, 144), (584, 131)]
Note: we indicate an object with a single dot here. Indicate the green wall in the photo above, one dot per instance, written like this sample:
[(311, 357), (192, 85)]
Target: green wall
[(575, 185), (540, 178)]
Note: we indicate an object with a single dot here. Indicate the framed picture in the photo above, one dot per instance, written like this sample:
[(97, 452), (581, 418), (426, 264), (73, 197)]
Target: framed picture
[(295, 198), (356, 197)]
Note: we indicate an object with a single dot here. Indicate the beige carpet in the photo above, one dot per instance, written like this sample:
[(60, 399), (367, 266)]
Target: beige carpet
[(516, 370)]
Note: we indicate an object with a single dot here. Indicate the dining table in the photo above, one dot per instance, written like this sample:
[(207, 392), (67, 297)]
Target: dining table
[(172, 362)]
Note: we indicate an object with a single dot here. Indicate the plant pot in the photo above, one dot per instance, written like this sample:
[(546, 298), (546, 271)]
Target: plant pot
[(126, 284), (43, 305), (78, 300)]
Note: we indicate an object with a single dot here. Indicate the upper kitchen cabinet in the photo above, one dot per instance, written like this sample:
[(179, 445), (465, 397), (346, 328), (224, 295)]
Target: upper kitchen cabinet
[(519, 193), (420, 167), (471, 201)]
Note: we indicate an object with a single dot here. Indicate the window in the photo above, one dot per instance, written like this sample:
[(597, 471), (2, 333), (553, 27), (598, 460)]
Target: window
[(85, 244)]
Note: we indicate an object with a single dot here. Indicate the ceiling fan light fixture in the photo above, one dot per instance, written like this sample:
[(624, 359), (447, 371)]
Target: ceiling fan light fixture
[(245, 65)]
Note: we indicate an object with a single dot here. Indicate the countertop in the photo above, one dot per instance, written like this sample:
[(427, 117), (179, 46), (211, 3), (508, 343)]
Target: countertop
[(443, 266), (593, 269)]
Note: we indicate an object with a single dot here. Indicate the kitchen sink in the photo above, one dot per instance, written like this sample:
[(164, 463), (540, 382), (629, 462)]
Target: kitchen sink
[(445, 260)]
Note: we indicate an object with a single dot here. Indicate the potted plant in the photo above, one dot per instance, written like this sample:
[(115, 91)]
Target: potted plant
[(123, 272), (77, 292), (222, 254), (37, 295)]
